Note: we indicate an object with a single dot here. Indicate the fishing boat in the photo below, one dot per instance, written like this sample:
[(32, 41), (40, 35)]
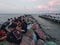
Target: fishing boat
[(34, 35)]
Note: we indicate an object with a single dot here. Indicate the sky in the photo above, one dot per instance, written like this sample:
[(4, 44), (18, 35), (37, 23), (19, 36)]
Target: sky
[(29, 6)]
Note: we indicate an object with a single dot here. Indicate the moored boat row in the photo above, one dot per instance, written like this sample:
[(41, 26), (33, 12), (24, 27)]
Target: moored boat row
[(54, 18)]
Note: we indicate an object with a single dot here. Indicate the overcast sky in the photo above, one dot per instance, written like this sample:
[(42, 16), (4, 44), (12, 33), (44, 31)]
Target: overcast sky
[(29, 6)]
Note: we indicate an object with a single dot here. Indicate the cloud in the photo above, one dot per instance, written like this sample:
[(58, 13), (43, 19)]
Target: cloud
[(15, 4), (29, 5), (31, 0), (41, 6), (7, 7), (53, 2), (49, 5)]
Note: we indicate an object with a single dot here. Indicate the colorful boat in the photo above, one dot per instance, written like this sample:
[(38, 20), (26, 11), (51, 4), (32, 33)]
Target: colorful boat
[(35, 34)]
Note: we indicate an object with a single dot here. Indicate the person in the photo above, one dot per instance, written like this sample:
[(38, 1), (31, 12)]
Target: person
[(15, 21), (19, 28), (7, 22), (14, 18), (14, 35), (4, 25), (2, 35), (11, 19), (24, 26)]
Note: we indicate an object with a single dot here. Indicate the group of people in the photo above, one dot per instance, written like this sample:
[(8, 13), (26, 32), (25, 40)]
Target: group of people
[(13, 30)]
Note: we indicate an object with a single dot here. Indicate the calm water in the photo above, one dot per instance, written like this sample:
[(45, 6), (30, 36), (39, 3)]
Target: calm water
[(4, 18), (50, 28)]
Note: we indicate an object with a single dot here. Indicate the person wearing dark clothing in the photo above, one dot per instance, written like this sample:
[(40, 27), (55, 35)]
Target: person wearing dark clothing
[(14, 36), (24, 26)]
